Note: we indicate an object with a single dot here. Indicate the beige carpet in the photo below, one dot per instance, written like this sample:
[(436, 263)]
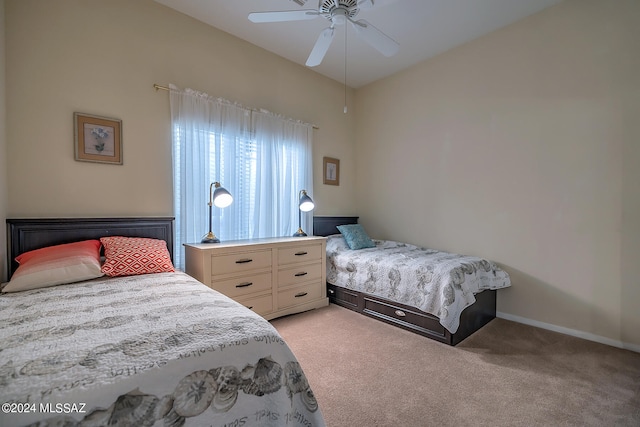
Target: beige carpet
[(367, 373)]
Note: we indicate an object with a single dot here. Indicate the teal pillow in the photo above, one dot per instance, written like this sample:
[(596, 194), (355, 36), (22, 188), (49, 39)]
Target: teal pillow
[(355, 236)]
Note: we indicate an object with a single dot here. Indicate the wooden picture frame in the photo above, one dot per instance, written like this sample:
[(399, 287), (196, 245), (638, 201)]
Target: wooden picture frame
[(331, 171), (97, 139)]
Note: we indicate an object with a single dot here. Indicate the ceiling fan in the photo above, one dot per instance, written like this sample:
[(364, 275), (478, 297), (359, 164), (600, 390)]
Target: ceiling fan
[(338, 12)]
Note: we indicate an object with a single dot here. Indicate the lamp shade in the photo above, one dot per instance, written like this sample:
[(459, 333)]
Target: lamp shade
[(306, 204), (221, 197)]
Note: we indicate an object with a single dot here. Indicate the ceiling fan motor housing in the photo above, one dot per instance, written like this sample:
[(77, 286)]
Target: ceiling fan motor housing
[(339, 9)]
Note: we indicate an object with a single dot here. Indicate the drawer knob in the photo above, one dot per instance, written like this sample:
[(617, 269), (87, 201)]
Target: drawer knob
[(304, 273), (244, 285), (400, 313), (301, 294), (243, 261), (300, 253)]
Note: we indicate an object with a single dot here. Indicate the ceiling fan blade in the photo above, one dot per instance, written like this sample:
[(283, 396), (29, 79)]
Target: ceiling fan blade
[(321, 47), (365, 4), (286, 15), (376, 38)]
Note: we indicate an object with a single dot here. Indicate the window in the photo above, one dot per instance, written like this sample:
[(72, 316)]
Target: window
[(262, 159)]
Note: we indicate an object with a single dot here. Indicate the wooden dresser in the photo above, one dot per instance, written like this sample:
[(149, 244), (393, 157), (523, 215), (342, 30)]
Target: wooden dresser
[(272, 276)]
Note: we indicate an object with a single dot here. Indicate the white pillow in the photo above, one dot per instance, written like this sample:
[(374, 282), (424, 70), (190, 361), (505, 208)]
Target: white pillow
[(56, 265)]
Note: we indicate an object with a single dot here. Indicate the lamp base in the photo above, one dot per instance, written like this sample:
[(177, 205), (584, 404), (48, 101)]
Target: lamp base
[(299, 233), (210, 238)]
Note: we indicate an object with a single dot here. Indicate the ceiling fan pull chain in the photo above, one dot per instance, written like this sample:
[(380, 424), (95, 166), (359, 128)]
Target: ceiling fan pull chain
[(345, 70)]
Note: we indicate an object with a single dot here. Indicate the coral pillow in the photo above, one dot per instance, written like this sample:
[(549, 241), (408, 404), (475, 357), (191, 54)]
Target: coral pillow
[(127, 256), (56, 265)]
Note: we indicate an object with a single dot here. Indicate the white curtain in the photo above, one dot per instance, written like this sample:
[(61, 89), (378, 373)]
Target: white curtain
[(262, 159)]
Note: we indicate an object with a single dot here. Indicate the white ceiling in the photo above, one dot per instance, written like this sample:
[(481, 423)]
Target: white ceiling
[(423, 28)]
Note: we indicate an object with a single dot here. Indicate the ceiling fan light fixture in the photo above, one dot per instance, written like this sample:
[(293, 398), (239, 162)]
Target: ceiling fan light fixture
[(339, 17)]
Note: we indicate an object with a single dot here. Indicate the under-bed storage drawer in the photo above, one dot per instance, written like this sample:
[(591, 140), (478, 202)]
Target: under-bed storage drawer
[(397, 314), (344, 297), (472, 318), (424, 322)]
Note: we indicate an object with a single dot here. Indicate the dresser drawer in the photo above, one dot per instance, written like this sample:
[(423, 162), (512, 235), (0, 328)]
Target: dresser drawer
[(299, 295), (296, 254), (244, 285), (240, 262), (261, 305), (299, 274)]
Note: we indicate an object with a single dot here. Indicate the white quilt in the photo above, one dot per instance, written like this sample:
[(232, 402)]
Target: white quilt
[(153, 350), (439, 283)]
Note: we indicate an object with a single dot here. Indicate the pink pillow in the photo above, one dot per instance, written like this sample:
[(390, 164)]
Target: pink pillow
[(127, 256), (56, 265)]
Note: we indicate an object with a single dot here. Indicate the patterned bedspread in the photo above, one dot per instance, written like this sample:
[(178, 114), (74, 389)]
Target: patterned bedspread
[(153, 350), (439, 283)]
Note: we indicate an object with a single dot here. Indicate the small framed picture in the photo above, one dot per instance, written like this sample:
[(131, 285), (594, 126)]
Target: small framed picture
[(97, 139), (331, 169)]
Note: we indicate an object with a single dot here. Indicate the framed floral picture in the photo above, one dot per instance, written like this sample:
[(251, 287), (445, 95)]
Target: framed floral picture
[(97, 139), (331, 169)]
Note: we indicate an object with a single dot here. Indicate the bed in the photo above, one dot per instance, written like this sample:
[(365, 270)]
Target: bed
[(443, 296), (153, 349)]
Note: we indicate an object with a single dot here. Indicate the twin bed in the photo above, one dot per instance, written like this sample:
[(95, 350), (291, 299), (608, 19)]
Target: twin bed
[(440, 295), (157, 349)]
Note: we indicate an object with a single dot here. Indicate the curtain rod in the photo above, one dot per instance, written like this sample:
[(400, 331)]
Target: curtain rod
[(159, 87)]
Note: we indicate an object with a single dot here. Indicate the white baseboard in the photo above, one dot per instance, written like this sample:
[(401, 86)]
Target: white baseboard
[(571, 332)]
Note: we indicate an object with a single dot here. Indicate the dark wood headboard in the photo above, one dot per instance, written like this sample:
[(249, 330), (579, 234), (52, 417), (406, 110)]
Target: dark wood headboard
[(326, 225), (27, 234)]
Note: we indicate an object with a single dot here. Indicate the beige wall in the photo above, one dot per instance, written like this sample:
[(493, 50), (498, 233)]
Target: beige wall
[(102, 57), (3, 152), (522, 147), (630, 111)]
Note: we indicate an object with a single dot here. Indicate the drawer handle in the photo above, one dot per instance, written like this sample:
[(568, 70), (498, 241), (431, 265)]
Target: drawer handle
[(331, 291), (400, 313), (301, 294), (304, 273), (249, 307), (243, 261), (300, 253), (244, 285)]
